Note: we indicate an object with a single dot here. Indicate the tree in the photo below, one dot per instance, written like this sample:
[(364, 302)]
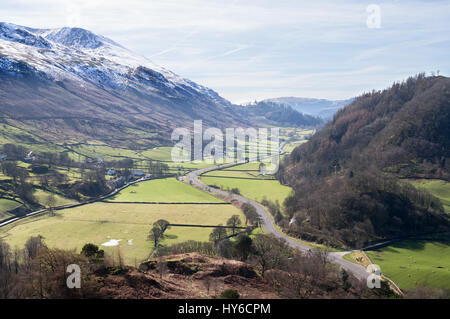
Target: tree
[(218, 234), (270, 252), (243, 246), (278, 217), (155, 235), (236, 191), (50, 202), (162, 224), (92, 251), (25, 192), (157, 232), (33, 246), (4, 254), (234, 222), (207, 283), (251, 216), (162, 267), (346, 285), (13, 151)]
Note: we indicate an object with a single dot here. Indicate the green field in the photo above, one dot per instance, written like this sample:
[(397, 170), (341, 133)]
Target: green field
[(167, 190), (5, 206), (100, 222), (414, 263), (440, 189), (245, 178), (42, 197), (289, 147)]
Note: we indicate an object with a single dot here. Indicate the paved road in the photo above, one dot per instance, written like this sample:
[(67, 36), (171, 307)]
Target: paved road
[(269, 225)]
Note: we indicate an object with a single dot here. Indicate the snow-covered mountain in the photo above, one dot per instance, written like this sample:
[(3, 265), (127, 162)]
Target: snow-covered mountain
[(73, 73), (78, 54)]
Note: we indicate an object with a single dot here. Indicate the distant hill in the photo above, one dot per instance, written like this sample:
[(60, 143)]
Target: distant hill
[(346, 177), (271, 113), (325, 109)]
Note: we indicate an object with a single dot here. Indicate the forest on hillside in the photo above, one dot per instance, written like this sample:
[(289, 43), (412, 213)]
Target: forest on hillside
[(346, 179)]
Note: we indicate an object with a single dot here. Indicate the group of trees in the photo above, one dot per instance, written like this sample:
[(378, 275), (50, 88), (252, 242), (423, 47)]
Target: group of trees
[(220, 232), (14, 152), (251, 216), (92, 184), (274, 209), (158, 169), (353, 211), (19, 185), (19, 153), (37, 271)]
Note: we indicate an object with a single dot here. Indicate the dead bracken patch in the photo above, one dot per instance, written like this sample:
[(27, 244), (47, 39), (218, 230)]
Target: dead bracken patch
[(185, 276)]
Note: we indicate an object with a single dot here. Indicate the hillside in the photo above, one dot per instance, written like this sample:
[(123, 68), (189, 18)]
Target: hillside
[(354, 163), (181, 275), (271, 113), (69, 83), (322, 108)]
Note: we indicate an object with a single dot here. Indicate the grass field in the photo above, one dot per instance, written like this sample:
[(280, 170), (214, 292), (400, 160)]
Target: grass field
[(289, 147), (159, 153), (245, 177), (438, 188), (42, 197), (130, 223), (167, 190), (358, 257), (5, 206), (413, 263)]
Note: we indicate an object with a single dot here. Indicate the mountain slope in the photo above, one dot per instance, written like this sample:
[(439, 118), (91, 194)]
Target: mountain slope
[(75, 75), (354, 163), (271, 113), (325, 109)]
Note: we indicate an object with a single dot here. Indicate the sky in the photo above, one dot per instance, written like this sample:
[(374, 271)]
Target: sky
[(251, 50)]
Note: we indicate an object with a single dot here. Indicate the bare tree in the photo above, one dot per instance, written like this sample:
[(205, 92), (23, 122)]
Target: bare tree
[(50, 202), (207, 283), (162, 267), (270, 252)]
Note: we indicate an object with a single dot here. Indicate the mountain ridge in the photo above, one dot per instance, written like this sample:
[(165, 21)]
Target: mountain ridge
[(71, 73)]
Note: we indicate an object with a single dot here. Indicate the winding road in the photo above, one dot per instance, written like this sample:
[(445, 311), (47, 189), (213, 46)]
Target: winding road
[(267, 221), (269, 225)]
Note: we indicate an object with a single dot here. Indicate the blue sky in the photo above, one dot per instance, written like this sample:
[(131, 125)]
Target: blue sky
[(248, 50)]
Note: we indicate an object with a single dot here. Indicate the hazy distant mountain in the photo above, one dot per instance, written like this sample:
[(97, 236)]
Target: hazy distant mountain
[(77, 83), (322, 108), (271, 113)]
